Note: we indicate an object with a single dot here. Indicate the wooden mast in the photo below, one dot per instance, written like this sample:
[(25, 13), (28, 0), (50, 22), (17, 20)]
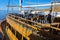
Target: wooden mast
[(20, 9)]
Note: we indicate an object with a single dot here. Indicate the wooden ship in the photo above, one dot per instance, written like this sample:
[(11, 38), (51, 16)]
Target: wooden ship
[(28, 27)]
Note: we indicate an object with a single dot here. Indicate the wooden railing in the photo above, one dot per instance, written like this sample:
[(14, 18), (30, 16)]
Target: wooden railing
[(36, 24)]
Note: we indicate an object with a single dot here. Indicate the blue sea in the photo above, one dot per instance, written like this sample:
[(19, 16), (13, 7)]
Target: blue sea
[(3, 14)]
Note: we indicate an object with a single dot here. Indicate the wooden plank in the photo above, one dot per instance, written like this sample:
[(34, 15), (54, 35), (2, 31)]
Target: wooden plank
[(11, 35)]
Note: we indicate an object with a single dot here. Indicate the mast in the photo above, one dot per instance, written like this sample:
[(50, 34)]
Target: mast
[(52, 6), (20, 3), (8, 5), (51, 9)]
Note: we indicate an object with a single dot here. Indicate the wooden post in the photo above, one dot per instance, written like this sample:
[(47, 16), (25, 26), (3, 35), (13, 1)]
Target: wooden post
[(22, 37)]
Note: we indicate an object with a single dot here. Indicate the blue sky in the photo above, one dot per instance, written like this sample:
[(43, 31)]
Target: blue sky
[(3, 3)]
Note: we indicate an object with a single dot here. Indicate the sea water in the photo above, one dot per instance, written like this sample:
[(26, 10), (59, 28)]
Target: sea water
[(3, 14)]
